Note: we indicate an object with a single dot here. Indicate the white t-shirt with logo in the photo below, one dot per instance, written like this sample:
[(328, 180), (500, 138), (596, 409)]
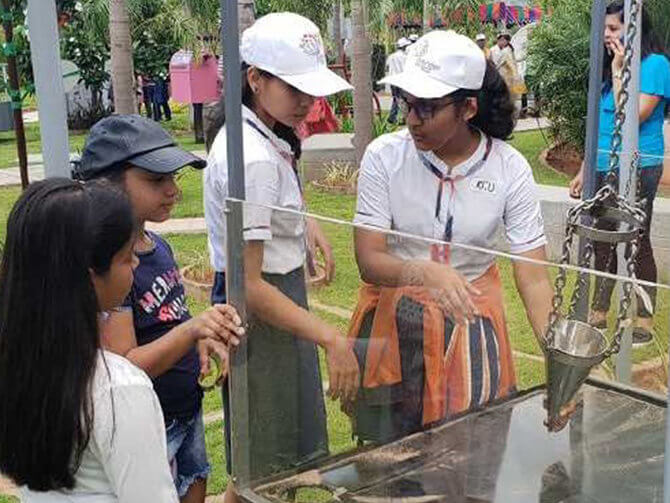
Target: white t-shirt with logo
[(397, 190), (270, 180)]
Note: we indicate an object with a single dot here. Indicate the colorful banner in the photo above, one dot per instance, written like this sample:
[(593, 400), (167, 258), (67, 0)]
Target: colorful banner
[(497, 12)]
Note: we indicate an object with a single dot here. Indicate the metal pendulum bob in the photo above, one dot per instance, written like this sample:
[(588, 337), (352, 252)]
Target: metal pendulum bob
[(572, 347)]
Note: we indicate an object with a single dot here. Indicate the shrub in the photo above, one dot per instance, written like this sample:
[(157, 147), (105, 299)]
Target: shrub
[(558, 64)]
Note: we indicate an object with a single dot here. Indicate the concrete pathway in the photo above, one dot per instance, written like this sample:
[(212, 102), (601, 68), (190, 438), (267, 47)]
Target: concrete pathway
[(339, 146)]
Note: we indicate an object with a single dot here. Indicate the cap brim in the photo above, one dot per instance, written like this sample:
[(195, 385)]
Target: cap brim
[(419, 85), (167, 160), (323, 82)]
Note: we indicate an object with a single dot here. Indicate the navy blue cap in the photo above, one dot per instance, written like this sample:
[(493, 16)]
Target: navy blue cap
[(118, 140)]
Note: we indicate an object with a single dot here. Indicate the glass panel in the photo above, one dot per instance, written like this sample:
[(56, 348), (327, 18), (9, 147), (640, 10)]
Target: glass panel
[(443, 410)]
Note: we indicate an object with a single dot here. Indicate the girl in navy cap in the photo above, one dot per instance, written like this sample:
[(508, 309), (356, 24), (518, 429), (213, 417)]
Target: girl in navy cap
[(154, 328)]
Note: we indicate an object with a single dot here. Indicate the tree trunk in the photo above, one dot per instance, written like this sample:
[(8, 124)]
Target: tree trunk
[(362, 78), (337, 29), (246, 11), (15, 94), (123, 75), (426, 19)]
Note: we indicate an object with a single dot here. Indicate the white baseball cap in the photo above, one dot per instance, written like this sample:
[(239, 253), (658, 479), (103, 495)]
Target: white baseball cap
[(440, 63), (290, 47), (480, 36), (403, 42)]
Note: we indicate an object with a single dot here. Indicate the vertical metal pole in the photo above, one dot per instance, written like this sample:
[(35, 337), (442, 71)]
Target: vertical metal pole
[(235, 288), (628, 178), (45, 56), (592, 129)]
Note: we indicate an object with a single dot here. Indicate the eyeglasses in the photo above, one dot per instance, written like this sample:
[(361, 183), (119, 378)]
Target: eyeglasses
[(424, 109)]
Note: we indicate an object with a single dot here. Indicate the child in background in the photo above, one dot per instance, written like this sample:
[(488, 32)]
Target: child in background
[(154, 329)]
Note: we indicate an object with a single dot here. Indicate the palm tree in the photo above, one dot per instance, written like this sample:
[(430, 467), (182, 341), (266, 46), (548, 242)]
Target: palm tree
[(123, 75), (337, 29), (246, 11), (362, 78)]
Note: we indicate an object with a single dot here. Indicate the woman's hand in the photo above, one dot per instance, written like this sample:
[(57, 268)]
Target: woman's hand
[(453, 292), (577, 184), (317, 241), (618, 52), (343, 372), (220, 323)]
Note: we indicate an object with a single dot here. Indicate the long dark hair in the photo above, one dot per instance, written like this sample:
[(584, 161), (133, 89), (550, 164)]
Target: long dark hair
[(57, 232), (283, 131), (650, 42), (495, 115)]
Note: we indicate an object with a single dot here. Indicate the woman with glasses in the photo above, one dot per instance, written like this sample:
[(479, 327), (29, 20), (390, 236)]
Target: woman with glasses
[(429, 328)]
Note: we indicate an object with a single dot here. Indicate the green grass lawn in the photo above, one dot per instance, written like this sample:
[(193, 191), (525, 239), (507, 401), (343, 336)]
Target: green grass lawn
[(529, 143), (179, 127)]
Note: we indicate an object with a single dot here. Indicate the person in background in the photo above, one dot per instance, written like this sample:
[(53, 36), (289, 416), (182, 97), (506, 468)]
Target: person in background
[(161, 100), (481, 42), (502, 55), (148, 89), (77, 423), (654, 97), (394, 65)]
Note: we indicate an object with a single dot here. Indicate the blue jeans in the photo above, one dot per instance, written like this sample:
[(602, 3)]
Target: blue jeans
[(186, 451), (645, 265)]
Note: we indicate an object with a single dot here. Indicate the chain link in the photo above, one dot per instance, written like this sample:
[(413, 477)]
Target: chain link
[(608, 195), (626, 75)]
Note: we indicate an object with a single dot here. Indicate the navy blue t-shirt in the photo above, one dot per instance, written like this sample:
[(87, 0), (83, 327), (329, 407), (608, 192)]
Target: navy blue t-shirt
[(158, 302)]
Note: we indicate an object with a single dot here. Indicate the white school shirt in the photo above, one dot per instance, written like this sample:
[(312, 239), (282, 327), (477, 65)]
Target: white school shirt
[(396, 62), (396, 190), (126, 460), (270, 180)]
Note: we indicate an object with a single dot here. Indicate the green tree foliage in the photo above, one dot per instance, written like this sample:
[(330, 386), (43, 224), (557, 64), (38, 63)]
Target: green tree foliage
[(558, 63), (319, 11)]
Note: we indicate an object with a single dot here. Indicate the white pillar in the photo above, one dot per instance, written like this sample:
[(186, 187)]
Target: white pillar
[(45, 55)]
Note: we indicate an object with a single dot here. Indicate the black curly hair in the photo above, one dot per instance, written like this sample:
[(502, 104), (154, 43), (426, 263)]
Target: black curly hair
[(495, 115)]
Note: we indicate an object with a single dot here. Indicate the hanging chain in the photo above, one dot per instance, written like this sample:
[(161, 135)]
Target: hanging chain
[(559, 283), (626, 75), (580, 286), (606, 195)]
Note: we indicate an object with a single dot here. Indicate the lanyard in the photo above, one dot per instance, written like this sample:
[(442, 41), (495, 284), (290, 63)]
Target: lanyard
[(451, 180), (290, 158)]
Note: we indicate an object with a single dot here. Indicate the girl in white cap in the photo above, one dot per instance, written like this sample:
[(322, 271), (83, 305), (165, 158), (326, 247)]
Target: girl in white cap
[(284, 69), (430, 330)]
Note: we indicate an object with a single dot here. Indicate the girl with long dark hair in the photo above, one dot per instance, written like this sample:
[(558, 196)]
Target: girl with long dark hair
[(285, 69), (430, 331), (654, 96), (77, 423)]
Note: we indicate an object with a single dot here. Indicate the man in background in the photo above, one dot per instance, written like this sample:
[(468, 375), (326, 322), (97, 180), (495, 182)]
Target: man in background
[(395, 63)]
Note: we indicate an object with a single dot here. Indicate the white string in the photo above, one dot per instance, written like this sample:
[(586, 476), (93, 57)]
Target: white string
[(516, 258), (650, 156)]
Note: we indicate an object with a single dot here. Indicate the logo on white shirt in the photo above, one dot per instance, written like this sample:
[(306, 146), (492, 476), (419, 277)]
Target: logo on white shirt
[(483, 186)]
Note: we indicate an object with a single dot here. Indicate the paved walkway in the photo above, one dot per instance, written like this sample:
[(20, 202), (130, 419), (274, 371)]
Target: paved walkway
[(321, 142)]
